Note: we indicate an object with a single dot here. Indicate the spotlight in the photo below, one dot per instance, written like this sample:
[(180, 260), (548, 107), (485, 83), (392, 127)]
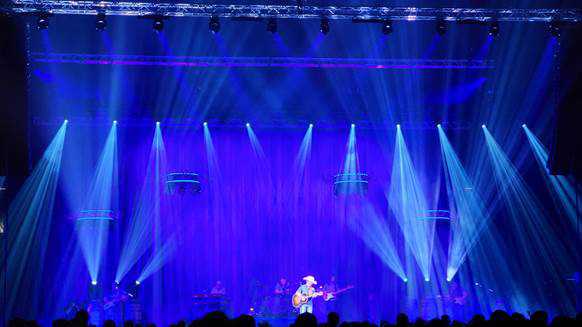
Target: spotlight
[(448, 279), (405, 280), (272, 25), (66, 121), (426, 279), (100, 22), (93, 282), (397, 125), (248, 125), (158, 24), (42, 23), (441, 27), (158, 123), (554, 28), (205, 124), (439, 125), (483, 126), (115, 122), (523, 125), (310, 125), (353, 125), (324, 26), (494, 28), (214, 24), (137, 282), (387, 27)]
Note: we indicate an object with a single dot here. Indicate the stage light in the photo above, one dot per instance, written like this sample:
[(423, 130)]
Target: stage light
[(137, 282), (115, 122), (448, 279), (426, 279), (324, 26), (441, 27), (483, 126), (353, 125), (158, 24), (42, 23), (439, 125), (554, 28), (205, 123), (397, 125), (523, 125), (66, 121), (387, 27), (158, 123), (310, 125), (214, 25), (494, 28), (248, 125), (93, 282), (272, 25), (405, 280), (100, 22)]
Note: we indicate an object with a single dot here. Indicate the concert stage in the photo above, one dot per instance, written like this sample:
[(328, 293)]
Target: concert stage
[(163, 161)]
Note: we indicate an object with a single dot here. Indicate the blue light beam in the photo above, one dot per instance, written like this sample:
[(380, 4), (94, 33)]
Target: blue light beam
[(469, 216), (408, 203), (139, 234), (30, 218)]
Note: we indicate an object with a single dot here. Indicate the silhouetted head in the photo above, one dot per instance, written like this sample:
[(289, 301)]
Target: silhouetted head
[(109, 323), (540, 316), (81, 318), (333, 319), (306, 320), (402, 320), (500, 315), (244, 321), (517, 316)]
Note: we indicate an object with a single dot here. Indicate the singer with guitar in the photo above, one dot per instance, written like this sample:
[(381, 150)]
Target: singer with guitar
[(303, 297)]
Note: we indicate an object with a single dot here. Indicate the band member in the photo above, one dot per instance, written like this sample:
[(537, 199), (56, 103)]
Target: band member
[(330, 288), (218, 289), (331, 285), (282, 287), (307, 290)]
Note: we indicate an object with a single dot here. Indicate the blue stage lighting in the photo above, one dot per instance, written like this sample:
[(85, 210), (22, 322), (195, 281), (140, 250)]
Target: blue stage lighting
[(523, 125), (93, 282), (205, 124), (439, 125), (248, 125), (427, 279), (483, 126), (115, 122), (158, 123), (324, 26), (353, 125), (137, 282), (397, 125), (405, 280), (310, 125), (66, 121), (214, 25)]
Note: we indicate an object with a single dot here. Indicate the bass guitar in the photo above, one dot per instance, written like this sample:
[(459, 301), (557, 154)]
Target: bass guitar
[(300, 299)]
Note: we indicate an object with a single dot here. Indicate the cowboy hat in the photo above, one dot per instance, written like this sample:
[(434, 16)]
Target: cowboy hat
[(310, 279)]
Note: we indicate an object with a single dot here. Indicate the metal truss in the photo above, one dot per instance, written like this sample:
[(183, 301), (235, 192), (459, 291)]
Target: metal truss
[(258, 62), (146, 9)]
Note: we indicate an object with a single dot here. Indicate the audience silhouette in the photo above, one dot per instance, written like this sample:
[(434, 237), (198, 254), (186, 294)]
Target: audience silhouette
[(498, 318)]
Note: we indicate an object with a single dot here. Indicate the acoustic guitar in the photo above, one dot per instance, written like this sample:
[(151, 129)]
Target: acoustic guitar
[(299, 299)]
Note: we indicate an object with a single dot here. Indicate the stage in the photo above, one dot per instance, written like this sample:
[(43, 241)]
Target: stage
[(195, 160)]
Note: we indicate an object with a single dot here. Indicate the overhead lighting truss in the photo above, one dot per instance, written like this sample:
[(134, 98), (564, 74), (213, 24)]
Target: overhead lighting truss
[(259, 62), (141, 9)]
